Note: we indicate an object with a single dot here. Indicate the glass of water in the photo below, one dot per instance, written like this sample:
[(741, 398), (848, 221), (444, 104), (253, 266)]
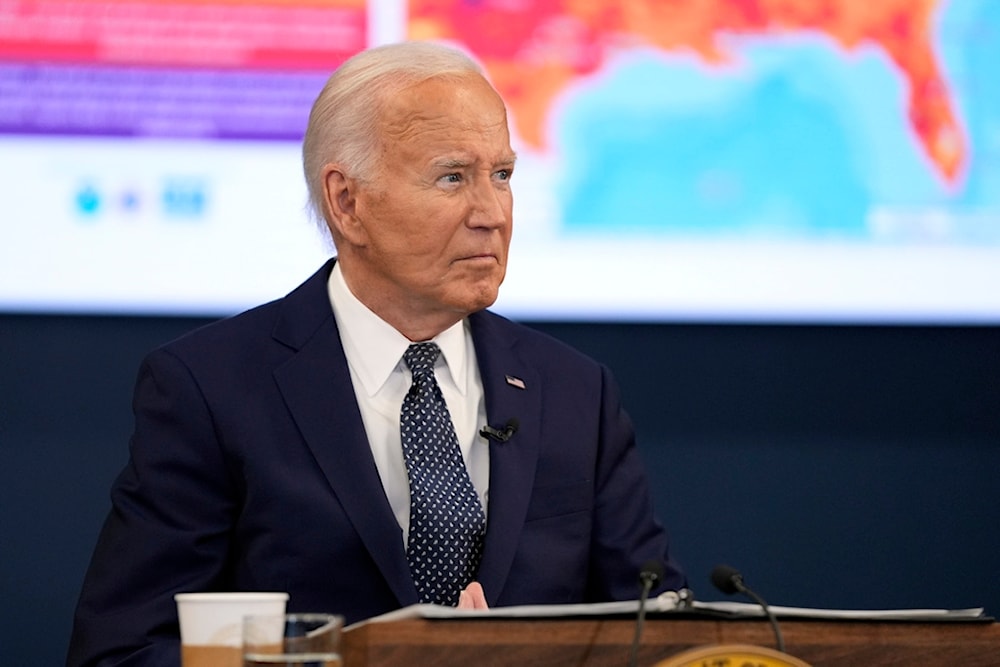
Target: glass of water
[(292, 640)]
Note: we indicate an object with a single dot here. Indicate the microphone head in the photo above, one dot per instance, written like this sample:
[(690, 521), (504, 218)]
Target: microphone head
[(652, 572), (727, 579), (512, 425)]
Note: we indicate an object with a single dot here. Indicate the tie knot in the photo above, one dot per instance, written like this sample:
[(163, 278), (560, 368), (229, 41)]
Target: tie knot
[(421, 357)]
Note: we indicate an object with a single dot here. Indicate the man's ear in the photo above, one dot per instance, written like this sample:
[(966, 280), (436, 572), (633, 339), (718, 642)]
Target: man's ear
[(340, 201)]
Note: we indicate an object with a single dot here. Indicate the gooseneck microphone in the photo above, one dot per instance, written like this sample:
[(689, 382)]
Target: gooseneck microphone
[(649, 576), (500, 434), (729, 580)]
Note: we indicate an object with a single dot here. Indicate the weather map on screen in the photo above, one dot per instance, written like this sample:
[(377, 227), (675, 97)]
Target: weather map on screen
[(744, 160), (727, 117)]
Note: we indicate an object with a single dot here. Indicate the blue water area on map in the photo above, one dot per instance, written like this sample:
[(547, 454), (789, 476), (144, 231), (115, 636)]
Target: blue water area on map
[(795, 139), (977, 66)]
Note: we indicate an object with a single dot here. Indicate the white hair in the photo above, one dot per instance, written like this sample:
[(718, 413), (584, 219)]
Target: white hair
[(344, 121)]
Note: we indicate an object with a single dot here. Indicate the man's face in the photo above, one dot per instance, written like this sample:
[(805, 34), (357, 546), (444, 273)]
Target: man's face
[(436, 214)]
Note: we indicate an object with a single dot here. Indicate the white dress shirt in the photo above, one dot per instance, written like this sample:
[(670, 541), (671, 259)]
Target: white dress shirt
[(374, 351)]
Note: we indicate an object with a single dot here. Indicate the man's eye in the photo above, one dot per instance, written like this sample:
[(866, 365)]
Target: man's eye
[(503, 174), (452, 178)]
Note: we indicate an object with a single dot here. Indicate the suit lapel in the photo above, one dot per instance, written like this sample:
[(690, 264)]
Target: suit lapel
[(512, 389), (316, 385)]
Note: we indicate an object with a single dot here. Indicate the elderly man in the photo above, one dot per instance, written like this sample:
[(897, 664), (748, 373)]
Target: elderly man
[(377, 438)]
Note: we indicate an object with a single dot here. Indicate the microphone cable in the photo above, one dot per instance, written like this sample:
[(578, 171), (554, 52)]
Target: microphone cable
[(651, 574), (729, 580)]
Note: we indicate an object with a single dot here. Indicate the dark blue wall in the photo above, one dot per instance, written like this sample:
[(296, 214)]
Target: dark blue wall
[(836, 466)]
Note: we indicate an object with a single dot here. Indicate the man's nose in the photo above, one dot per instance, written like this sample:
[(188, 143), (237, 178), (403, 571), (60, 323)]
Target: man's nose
[(489, 205)]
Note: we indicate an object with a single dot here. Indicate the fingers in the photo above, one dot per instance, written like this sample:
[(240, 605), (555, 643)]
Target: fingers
[(472, 597)]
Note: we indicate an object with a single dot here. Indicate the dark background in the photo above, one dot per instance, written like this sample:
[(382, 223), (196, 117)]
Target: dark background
[(836, 466)]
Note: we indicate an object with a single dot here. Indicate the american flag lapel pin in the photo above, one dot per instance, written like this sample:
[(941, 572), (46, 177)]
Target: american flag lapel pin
[(514, 382)]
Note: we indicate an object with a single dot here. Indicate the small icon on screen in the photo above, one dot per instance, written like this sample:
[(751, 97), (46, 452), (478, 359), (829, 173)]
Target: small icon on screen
[(184, 198), (87, 200)]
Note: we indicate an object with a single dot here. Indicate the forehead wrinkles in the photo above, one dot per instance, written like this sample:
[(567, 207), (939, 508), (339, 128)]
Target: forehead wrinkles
[(407, 124), (442, 128), (444, 105)]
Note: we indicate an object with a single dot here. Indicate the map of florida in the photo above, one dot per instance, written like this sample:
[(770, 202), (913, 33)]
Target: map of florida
[(532, 49)]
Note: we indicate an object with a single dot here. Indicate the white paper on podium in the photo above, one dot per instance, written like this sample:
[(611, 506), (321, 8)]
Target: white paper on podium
[(748, 609), (668, 602)]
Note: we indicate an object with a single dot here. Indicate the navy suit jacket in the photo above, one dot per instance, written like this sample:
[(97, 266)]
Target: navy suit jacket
[(250, 470)]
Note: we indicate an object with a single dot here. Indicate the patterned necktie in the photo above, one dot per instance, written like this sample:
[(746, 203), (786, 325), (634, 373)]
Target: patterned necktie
[(447, 523)]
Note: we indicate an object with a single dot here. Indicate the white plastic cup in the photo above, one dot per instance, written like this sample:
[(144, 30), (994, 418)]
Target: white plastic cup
[(212, 624)]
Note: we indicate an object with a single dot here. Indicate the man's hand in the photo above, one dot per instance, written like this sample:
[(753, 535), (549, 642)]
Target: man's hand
[(472, 597)]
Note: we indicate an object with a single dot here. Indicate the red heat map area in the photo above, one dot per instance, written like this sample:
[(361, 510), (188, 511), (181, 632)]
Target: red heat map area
[(532, 49)]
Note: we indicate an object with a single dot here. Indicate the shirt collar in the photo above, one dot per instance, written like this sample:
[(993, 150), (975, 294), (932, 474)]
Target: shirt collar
[(375, 349)]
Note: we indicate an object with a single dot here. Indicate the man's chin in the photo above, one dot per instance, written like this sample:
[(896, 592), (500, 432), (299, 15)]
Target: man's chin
[(479, 298)]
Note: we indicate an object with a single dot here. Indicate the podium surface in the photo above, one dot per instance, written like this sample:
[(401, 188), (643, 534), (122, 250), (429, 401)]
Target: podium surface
[(599, 642)]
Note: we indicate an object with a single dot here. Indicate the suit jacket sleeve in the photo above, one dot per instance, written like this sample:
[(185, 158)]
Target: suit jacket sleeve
[(172, 512), (627, 534)]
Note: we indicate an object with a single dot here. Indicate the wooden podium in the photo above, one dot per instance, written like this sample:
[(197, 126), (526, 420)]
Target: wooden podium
[(599, 642)]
